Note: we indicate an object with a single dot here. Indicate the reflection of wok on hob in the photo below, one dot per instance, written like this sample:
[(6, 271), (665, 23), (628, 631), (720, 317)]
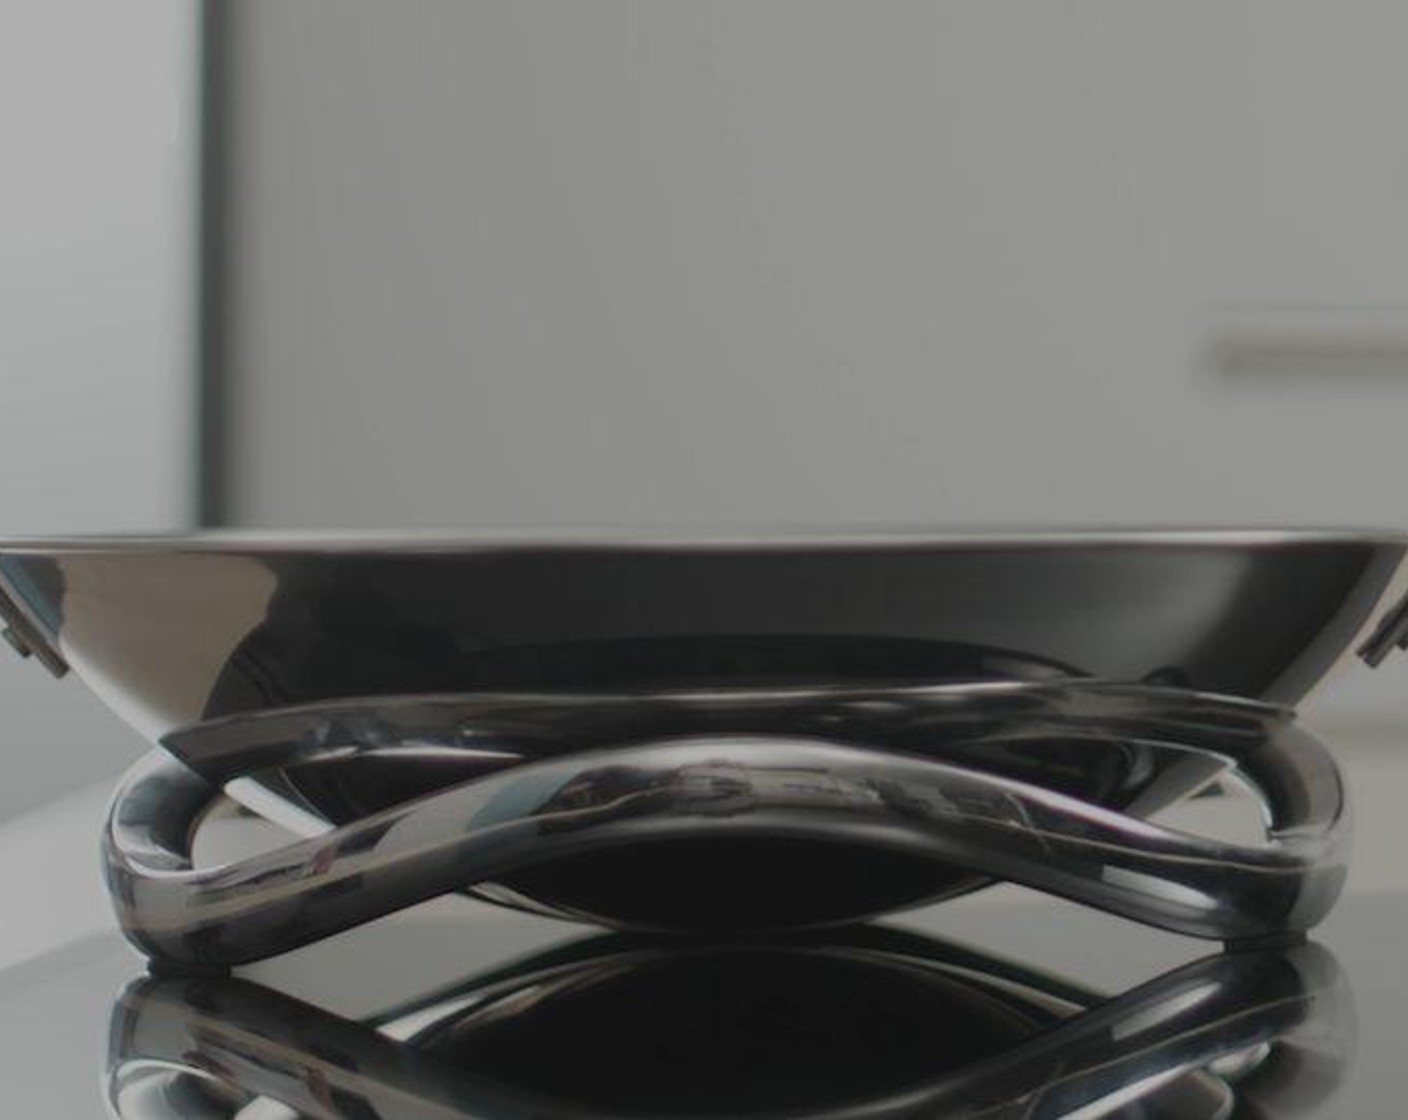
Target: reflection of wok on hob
[(869, 1023)]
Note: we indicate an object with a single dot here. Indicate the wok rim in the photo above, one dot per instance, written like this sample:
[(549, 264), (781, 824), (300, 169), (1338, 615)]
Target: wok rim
[(799, 539)]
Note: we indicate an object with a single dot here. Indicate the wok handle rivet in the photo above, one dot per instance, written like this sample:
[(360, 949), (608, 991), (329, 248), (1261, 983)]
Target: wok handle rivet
[(1391, 634), (17, 643)]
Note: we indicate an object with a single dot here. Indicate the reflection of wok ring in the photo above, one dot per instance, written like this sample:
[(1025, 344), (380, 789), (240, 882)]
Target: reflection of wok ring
[(868, 1023), (967, 783)]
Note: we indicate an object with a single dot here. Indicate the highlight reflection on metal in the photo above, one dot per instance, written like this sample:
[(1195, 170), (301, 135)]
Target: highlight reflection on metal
[(868, 1023), (756, 810)]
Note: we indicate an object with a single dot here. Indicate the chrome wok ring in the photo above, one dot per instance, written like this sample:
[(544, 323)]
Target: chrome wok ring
[(958, 800)]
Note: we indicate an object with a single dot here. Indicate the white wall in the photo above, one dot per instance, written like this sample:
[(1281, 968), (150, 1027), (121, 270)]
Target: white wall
[(528, 263), (97, 166)]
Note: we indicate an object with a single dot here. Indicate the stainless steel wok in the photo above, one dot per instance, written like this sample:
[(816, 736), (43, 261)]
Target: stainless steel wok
[(672, 733)]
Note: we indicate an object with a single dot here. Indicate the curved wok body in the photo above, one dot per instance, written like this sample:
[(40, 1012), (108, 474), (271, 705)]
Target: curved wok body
[(718, 733)]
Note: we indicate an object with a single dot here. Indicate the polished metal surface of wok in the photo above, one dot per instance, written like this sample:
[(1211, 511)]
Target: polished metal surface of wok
[(176, 631), (686, 734)]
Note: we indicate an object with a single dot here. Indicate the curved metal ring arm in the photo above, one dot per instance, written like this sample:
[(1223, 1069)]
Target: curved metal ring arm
[(730, 786)]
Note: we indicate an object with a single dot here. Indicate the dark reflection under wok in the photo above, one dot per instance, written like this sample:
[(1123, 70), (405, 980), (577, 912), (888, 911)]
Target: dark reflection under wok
[(726, 1031), (869, 1022)]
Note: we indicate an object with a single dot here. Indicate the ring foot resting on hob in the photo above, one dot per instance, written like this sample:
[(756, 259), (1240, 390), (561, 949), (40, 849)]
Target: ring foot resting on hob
[(744, 831)]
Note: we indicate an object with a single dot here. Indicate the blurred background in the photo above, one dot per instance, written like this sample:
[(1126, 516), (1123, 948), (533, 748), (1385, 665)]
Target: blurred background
[(344, 264)]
